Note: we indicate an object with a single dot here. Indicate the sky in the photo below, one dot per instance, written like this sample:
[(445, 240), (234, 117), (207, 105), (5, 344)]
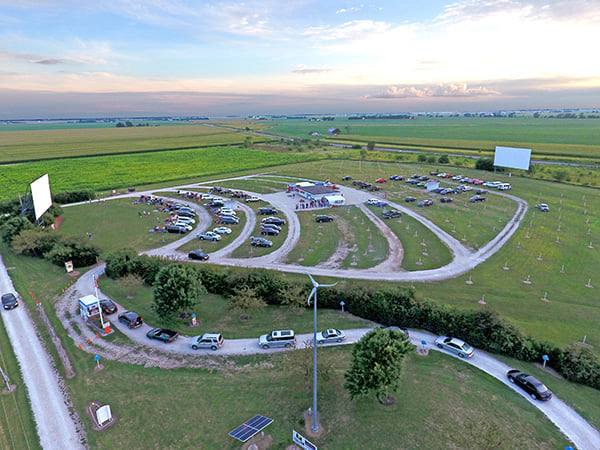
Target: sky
[(126, 58)]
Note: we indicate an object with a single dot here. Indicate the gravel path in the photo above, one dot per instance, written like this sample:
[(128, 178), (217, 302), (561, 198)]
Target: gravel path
[(55, 426)]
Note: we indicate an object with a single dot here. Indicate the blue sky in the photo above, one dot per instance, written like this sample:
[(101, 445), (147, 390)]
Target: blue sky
[(66, 58)]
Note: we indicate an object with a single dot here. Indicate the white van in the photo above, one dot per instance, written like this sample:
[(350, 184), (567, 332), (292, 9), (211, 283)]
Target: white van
[(504, 186)]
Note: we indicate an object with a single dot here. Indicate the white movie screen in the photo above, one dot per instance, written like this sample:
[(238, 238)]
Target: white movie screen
[(514, 158), (40, 192)]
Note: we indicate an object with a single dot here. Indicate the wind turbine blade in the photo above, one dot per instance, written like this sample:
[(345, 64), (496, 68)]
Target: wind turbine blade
[(313, 292), (315, 284), (328, 285)]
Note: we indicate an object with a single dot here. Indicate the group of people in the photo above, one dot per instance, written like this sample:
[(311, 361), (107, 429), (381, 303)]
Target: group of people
[(304, 204)]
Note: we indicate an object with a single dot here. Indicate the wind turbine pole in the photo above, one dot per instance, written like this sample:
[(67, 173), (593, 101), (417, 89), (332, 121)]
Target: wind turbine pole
[(315, 425)]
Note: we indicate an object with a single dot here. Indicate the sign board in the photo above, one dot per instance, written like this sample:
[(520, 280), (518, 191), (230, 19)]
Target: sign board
[(302, 441), (514, 158), (69, 266), (103, 414)]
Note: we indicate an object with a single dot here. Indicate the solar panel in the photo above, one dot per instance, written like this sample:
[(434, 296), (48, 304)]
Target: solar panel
[(250, 427)]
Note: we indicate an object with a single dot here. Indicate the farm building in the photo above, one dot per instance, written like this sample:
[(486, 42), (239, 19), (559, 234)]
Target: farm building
[(312, 191), (333, 131)]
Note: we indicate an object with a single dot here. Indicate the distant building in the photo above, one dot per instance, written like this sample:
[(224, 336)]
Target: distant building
[(313, 133), (333, 131)]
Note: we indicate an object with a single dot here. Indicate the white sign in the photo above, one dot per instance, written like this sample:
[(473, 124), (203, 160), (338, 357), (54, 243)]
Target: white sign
[(40, 192), (103, 414), (302, 441)]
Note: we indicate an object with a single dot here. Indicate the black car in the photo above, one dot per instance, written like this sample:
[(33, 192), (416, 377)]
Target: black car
[(162, 334), (410, 199), (323, 218), (270, 225), (108, 306), (229, 220), (346, 178), (534, 387), (131, 319), (268, 231), (176, 229), (445, 200), (9, 301), (390, 213), (197, 254), (477, 198), (266, 211), (274, 221), (260, 242)]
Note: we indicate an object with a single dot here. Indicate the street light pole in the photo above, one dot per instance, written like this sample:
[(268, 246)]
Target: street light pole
[(315, 426)]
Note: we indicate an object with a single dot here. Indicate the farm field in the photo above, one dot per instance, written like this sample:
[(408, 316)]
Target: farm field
[(546, 137), (30, 145), (105, 173)]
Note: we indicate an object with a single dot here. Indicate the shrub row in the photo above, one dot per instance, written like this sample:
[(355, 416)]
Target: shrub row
[(483, 328), (73, 196)]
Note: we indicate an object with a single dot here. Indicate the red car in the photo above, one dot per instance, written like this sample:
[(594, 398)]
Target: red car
[(380, 180)]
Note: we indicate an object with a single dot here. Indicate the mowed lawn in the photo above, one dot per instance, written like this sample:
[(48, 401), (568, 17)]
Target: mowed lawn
[(351, 237), (441, 402)]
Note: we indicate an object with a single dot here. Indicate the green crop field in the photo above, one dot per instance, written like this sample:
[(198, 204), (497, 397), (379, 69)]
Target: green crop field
[(546, 137), (68, 143)]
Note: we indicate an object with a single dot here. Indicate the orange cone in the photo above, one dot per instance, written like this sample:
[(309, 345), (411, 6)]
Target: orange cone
[(89, 341), (79, 346), (97, 335)]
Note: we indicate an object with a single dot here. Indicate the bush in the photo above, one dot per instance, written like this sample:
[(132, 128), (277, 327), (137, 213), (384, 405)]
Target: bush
[(13, 227), (422, 157), (484, 164), (117, 263), (578, 363), (78, 250), (444, 159), (73, 196)]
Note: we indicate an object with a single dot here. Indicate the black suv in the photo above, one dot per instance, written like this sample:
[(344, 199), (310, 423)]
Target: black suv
[(477, 198), (266, 211), (274, 221), (390, 213), (410, 199), (176, 229), (108, 306), (323, 218), (131, 319), (260, 242)]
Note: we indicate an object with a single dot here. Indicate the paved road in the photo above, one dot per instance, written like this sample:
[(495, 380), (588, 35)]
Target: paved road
[(54, 424)]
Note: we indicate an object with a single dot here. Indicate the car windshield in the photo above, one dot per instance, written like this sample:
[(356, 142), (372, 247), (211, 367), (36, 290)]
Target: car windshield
[(541, 388)]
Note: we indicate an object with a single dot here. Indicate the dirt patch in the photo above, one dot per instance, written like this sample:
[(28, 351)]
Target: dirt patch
[(342, 250)]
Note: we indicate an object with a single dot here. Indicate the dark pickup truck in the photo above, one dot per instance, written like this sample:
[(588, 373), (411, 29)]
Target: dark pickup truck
[(162, 334)]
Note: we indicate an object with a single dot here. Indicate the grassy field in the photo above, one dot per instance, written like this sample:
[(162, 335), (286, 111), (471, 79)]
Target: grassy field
[(546, 137), (103, 173), (213, 315), (36, 145)]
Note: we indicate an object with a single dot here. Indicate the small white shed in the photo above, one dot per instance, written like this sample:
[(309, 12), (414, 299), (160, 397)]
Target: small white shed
[(335, 199), (89, 306)]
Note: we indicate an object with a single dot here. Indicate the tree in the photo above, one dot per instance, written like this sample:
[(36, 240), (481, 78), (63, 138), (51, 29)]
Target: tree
[(13, 227), (177, 289), (422, 157), (34, 242), (370, 146), (484, 164), (443, 159), (294, 296), (248, 142), (376, 365), (298, 366), (244, 301)]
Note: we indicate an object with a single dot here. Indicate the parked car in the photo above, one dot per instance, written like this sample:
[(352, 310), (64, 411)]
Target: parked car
[(323, 218), (185, 213), (177, 228), (253, 198), (162, 334), (268, 231), (390, 213), (477, 198), (410, 199), (346, 178), (183, 225), (229, 220), (380, 180), (455, 345), (209, 236), (445, 200), (427, 202), (543, 207), (330, 335), (266, 211), (214, 341), (198, 255), (260, 242), (404, 331), (108, 306), (274, 221), (222, 230), (373, 201), (131, 319), (9, 301), (187, 220), (280, 338), (534, 387)]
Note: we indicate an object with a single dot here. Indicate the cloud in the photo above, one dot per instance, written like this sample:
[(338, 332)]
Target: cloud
[(50, 62), (347, 10), (304, 70), (442, 90), (558, 10)]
